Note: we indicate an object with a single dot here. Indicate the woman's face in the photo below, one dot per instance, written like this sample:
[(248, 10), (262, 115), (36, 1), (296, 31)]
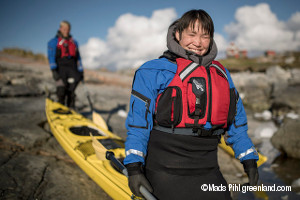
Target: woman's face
[(194, 39)]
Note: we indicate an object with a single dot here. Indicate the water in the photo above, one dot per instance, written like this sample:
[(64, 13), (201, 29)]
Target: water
[(278, 170)]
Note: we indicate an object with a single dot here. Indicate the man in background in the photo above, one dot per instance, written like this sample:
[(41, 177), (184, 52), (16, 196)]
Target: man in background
[(65, 64)]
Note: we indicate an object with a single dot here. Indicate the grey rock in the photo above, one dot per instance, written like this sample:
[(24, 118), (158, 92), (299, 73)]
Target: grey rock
[(26, 144), (287, 99), (277, 74), (275, 89), (32, 163), (265, 130), (296, 183), (254, 89), (295, 77), (287, 138)]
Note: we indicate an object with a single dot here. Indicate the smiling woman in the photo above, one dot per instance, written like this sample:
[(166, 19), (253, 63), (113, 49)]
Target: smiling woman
[(180, 106), (193, 35), (195, 40)]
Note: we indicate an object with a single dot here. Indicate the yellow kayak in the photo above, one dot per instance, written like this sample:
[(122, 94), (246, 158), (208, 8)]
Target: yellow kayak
[(228, 149), (72, 131)]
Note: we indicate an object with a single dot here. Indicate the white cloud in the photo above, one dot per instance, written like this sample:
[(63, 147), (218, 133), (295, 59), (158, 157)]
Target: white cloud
[(221, 42), (135, 39), (130, 42), (257, 29), (92, 52), (294, 22)]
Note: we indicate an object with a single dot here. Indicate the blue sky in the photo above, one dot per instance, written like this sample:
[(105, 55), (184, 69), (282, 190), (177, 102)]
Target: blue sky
[(30, 24)]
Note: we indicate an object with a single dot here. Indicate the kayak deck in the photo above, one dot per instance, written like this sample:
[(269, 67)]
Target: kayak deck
[(72, 131)]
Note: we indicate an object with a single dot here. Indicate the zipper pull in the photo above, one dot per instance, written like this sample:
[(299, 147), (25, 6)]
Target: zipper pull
[(173, 128)]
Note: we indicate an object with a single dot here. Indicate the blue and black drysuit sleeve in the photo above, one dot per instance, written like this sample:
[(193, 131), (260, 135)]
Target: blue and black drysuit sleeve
[(237, 132), (52, 53), (79, 63), (139, 121), (146, 85)]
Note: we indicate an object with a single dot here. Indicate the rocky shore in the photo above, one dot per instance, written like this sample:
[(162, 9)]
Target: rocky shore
[(34, 166)]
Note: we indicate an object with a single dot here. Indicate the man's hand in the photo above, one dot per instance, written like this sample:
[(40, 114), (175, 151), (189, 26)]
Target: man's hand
[(81, 76), (136, 179), (250, 168), (55, 75)]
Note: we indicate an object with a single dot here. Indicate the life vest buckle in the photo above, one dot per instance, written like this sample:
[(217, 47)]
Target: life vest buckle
[(202, 132)]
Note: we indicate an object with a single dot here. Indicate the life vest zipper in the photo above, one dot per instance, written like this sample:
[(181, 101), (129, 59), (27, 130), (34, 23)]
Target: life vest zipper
[(209, 89), (172, 110)]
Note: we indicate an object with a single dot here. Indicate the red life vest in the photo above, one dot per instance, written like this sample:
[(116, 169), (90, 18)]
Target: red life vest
[(67, 47), (196, 95)]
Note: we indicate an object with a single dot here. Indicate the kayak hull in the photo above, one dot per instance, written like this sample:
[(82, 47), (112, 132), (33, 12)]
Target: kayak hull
[(72, 132)]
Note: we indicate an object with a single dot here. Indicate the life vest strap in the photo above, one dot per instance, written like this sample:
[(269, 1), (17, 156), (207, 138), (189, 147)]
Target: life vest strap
[(197, 116), (189, 131), (203, 132)]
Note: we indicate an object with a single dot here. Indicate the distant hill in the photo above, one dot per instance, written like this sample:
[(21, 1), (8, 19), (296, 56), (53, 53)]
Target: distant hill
[(260, 64), (25, 54)]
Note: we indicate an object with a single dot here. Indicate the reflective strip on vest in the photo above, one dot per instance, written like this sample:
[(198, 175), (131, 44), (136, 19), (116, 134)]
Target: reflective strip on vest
[(189, 69), (67, 47), (62, 41), (220, 69), (251, 150), (135, 152)]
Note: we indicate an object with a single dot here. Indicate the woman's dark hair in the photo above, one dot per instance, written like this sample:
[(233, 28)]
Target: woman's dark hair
[(191, 17)]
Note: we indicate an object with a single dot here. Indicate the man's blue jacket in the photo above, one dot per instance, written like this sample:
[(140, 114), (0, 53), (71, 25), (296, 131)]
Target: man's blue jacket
[(150, 80)]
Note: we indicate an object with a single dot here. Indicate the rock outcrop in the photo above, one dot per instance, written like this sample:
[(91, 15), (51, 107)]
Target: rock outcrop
[(287, 138)]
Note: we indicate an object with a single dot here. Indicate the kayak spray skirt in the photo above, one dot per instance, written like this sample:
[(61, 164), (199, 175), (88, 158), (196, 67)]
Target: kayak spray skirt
[(177, 167)]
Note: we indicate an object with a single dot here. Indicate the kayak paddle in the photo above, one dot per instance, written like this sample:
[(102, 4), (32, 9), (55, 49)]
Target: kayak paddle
[(96, 117), (102, 154)]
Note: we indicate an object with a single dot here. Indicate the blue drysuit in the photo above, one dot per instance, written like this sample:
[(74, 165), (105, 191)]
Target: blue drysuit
[(151, 79)]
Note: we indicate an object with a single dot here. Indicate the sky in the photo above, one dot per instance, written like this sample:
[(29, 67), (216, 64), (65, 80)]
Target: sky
[(119, 34)]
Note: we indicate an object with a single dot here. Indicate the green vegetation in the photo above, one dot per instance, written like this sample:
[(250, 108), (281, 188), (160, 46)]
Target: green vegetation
[(260, 64), (25, 54), (243, 64)]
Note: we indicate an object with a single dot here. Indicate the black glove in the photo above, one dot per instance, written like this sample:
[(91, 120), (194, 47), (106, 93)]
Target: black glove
[(55, 75), (250, 168), (136, 179), (81, 76)]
